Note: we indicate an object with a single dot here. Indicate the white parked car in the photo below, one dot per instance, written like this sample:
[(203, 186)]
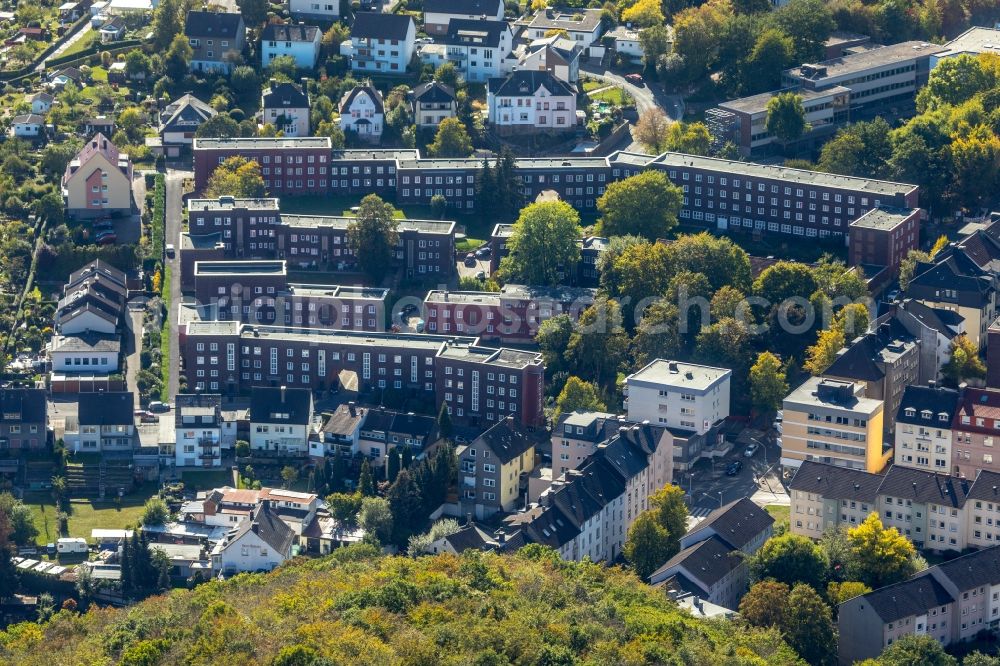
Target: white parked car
[(751, 450)]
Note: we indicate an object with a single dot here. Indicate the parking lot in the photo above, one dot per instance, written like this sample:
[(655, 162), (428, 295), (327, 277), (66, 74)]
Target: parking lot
[(471, 268)]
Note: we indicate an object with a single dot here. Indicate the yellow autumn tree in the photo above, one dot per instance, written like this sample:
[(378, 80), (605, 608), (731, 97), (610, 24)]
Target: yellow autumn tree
[(644, 13)]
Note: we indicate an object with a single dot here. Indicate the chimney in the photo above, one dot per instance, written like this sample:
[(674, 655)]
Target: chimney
[(351, 408), (283, 388), (501, 535)]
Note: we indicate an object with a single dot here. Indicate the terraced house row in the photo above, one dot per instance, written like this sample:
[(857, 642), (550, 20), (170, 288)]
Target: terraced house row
[(480, 385), (718, 193)]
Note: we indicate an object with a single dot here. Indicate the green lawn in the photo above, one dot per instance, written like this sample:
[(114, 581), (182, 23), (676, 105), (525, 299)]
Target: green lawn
[(592, 84), (468, 244), (781, 514), (86, 42), (612, 96), (207, 480), (86, 515)]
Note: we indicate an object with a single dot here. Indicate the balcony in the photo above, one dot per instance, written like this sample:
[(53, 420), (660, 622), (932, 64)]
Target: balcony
[(469, 481), (207, 442)]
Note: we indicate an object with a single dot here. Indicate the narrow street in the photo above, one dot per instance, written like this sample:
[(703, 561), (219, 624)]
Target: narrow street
[(172, 230), (646, 97), (77, 36)]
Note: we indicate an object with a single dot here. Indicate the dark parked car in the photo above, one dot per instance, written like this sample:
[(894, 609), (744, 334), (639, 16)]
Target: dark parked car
[(470, 260), (635, 79), (734, 468), (483, 252)]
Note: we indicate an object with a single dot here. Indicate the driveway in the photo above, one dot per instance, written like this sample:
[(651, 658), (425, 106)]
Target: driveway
[(646, 97), (172, 231), (77, 36), (133, 346)]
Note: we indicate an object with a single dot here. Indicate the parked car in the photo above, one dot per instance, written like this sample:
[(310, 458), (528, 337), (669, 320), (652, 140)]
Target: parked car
[(751, 450), (158, 407), (484, 252), (169, 249), (734, 468), (106, 238), (481, 275), (635, 79), (470, 260)]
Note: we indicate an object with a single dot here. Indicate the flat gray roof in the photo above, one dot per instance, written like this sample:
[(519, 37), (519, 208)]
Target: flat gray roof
[(758, 103), (201, 241), (337, 291), (883, 217), (791, 176), (268, 267), (677, 374), (862, 61), (974, 40), (464, 297), (805, 394), (415, 341), (376, 154), (341, 222), (231, 203), (558, 293), (257, 143)]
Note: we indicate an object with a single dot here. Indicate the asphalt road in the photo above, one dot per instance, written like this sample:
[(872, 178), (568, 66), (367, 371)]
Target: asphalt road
[(175, 209)]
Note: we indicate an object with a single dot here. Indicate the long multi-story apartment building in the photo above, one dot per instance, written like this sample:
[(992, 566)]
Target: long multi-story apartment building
[(258, 292), (289, 166), (718, 193), (951, 602), (513, 314), (256, 229), (480, 385)]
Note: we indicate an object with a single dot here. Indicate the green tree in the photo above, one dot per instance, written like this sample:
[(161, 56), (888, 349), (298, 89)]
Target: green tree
[(914, 650), (728, 302), (177, 58), (578, 394), (862, 149), (445, 427), (821, 355), (773, 52), (838, 593), (451, 140), (137, 63), (656, 41), (155, 512), (671, 513), (289, 475), (790, 559), (957, 81), (641, 271), (879, 556), (690, 138), (448, 75), (18, 522), (768, 384), (720, 259), (219, 126), (392, 464), (645, 204), (543, 244), (254, 12), (407, 507), (809, 23), (345, 507), (653, 129), (764, 604), (725, 343), (553, 338), (372, 236), (237, 177), (657, 334), (598, 344), (963, 361), (366, 486), (786, 117), (808, 626), (168, 23), (784, 280), (647, 545), (375, 518)]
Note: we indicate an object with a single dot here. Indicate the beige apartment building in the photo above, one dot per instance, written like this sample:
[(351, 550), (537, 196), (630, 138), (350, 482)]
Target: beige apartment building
[(831, 421)]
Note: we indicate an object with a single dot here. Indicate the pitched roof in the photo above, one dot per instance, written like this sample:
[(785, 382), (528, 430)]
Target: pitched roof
[(551, 527), (23, 405), (266, 524), (527, 82), (285, 94), (98, 145), (925, 487), (463, 7), (28, 119), (212, 24), (911, 597), (737, 523), (948, 323), (373, 94), (274, 404), (86, 342), (508, 439), (973, 570), (111, 408), (705, 563), (840, 483), (474, 32), (344, 420), (434, 92), (287, 32), (976, 404), (952, 270), (470, 536), (372, 25), (865, 358), (986, 487), (931, 405), (186, 109)]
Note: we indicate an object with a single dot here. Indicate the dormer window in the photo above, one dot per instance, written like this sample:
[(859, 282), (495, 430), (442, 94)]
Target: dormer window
[(925, 414), (943, 416), (910, 411)]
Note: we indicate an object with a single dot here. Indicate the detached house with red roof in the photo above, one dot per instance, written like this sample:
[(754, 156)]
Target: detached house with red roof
[(98, 181)]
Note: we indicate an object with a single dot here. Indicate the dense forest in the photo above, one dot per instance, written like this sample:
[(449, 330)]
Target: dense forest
[(359, 607)]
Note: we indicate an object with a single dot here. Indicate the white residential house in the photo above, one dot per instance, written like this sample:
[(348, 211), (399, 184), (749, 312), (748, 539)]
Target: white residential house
[(29, 126), (180, 120), (432, 103), (198, 428), (480, 50), (362, 112), (316, 10), (380, 43), (86, 353), (678, 395), (286, 106), (260, 543), (41, 102), (627, 43), (301, 42), (531, 102), (924, 428), (582, 25), (555, 54), (280, 419), (439, 13)]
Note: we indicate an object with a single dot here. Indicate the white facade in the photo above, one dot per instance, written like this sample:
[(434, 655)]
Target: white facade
[(679, 395), (291, 121), (627, 43), (325, 10), (41, 104), (363, 116), (927, 448), (436, 23), (306, 54), (86, 321), (382, 55), (539, 109), (28, 129), (283, 437), (474, 61), (198, 445), (98, 439), (247, 553), (92, 362)]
